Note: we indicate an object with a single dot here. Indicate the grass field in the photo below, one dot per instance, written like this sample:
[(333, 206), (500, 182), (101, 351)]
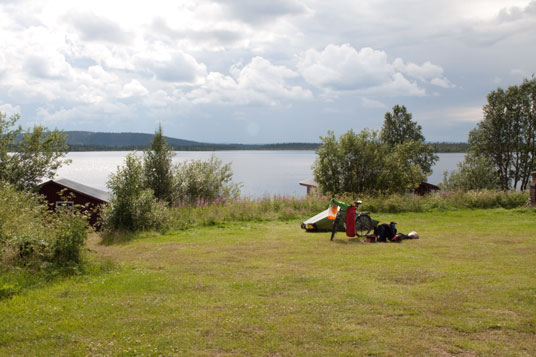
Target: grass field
[(467, 287)]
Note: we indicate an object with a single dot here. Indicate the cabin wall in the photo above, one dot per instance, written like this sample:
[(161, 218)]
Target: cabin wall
[(51, 192)]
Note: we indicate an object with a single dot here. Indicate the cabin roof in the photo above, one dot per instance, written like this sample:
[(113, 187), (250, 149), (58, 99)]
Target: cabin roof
[(429, 186), (78, 187)]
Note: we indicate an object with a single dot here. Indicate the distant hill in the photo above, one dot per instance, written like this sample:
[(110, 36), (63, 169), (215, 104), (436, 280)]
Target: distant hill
[(96, 141), (88, 138), (89, 141)]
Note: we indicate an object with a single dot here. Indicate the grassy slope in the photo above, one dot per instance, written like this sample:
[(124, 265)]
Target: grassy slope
[(467, 286)]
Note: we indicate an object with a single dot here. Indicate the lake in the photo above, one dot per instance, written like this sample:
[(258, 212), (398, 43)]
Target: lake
[(261, 172)]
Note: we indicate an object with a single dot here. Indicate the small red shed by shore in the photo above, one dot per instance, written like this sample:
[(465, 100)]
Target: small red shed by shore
[(66, 193), (425, 188)]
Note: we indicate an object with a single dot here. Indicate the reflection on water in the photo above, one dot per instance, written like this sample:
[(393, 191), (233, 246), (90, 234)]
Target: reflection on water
[(260, 172)]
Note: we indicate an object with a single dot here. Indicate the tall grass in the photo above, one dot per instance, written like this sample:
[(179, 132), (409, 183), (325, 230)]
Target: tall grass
[(446, 201), (290, 208), (263, 209), (35, 238)]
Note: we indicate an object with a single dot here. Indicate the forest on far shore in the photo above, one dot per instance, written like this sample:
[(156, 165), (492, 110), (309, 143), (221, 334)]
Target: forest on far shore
[(91, 141)]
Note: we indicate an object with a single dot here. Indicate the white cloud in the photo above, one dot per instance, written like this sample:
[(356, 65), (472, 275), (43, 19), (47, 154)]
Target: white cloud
[(367, 71), (511, 22), (92, 27), (344, 68), (82, 61), (372, 103), (465, 114), (172, 66), (98, 73), (259, 82), (48, 66), (9, 109), (104, 114), (159, 99), (397, 86), (262, 10), (424, 72), (133, 89), (427, 72), (442, 82)]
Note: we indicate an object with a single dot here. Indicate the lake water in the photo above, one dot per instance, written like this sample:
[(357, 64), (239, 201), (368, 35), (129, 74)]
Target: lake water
[(261, 172)]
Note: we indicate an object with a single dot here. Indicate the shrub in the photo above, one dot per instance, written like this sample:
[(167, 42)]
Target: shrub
[(444, 201), (474, 173), (34, 237), (28, 156), (69, 236), (132, 207), (157, 167), (199, 182), (361, 163)]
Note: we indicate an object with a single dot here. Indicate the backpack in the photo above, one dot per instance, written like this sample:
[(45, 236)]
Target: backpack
[(392, 229), (385, 232)]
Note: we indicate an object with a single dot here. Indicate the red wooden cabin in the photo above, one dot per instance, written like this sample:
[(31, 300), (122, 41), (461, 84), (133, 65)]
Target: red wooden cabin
[(66, 193)]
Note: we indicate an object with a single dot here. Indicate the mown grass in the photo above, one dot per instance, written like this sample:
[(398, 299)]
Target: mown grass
[(466, 287)]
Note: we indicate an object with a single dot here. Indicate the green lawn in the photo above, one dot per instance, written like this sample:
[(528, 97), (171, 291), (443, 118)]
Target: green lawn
[(467, 287)]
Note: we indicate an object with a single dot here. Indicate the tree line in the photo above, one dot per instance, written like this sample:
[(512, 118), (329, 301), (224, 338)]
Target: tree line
[(438, 147), (200, 147), (501, 151), (395, 159)]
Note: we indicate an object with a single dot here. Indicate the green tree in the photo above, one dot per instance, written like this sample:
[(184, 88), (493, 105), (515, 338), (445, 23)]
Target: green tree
[(474, 173), (506, 134), (132, 207), (327, 168), (398, 127), (157, 165), (402, 171), (362, 163), (36, 237), (26, 157)]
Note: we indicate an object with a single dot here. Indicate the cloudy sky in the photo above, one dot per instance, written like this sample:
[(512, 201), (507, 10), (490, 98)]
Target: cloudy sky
[(260, 71)]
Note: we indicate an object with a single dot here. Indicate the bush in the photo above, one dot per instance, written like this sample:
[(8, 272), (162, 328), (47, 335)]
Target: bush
[(157, 167), (132, 207), (28, 156), (35, 237), (445, 201), (69, 236), (361, 163), (474, 173), (198, 182)]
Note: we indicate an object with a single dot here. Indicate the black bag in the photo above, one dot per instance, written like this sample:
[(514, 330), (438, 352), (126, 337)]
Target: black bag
[(385, 231), (392, 230)]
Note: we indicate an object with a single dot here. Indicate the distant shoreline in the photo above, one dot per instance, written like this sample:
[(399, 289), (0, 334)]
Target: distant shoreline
[(100, 141), (438, 147)]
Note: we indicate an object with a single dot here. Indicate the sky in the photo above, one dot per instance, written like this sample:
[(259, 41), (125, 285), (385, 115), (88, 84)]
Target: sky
[(260, 71)]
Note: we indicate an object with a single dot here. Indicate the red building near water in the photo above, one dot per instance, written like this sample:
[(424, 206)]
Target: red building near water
[(65, 193)]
